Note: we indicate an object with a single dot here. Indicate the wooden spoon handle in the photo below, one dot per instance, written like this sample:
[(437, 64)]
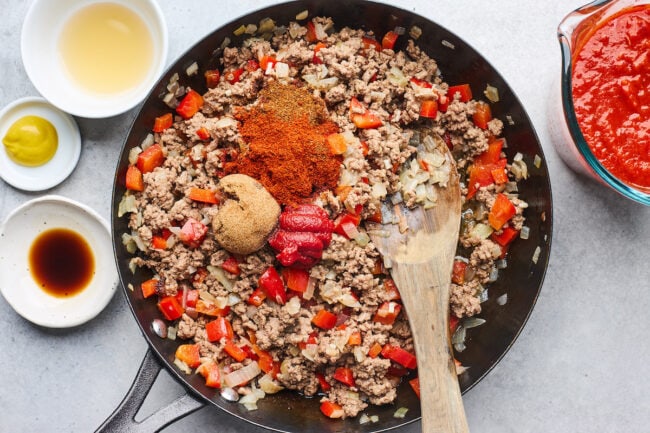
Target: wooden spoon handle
[(427, 305)]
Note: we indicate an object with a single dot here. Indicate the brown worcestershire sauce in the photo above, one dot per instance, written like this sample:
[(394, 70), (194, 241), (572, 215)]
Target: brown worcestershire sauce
[(61, 262)]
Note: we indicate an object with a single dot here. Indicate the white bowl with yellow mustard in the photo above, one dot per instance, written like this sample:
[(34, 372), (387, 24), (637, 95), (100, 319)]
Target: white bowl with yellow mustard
[(40, 144)]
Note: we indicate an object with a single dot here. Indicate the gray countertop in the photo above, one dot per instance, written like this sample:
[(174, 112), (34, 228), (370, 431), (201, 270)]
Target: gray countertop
[(580, 365)]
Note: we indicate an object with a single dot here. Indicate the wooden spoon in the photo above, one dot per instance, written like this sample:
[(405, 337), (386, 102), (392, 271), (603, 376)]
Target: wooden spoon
[(422, 260)]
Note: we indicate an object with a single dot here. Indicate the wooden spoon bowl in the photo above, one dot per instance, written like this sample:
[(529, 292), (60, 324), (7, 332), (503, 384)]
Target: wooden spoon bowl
[(421, 260)]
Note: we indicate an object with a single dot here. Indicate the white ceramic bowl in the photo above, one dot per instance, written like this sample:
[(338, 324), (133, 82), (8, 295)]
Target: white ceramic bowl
[(43, 61), (17, 285), (57, 169)]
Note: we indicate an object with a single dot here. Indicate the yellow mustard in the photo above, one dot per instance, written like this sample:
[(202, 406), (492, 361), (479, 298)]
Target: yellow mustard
[(31, 141)]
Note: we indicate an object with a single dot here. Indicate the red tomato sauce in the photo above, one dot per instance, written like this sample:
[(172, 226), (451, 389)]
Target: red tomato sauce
[(611, 93)]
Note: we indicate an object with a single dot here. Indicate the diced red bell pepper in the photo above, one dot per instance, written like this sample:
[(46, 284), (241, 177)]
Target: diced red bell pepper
[(252, 65), (500, 175), (296, 279), (273, 286), (150, 158), (355, 339), (193, 232), (346, 218), (331, 409), (203, 133), (235, 352), (421, 83), (312, 338), (463, 90), (479, 176), (210, 371), (311, 32), (389, 39), (324, 319), (199, 276), (501, 212), (170, 307), (149, 287), (203, 195), (458, 272), (191, 298), (344, 375), (415, 384), (336, 143), (324, 385), (399, 355), (158, 242), (189, 354), (482, 115), (429, 109), (507, 235), (163, 122), (362, 117), (219, 328), (493, 153), (257, 297), (366, 120), (231, 265), (375, 350), (265, 61), (234, 76), (391, 289), (387, 313), (212, 77), (315, 59), (134, 180), (211, 309), (190, 104), (370, 43), (265, 360), (453, 323)]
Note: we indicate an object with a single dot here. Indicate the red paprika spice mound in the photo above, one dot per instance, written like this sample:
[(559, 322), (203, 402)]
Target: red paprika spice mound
[(286, 149)]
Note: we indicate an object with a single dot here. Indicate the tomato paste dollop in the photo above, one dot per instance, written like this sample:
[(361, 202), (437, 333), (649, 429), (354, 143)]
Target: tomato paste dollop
[(611, 93)]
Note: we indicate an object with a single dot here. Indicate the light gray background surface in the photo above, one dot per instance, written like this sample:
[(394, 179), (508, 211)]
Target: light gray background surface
[(580, 365)]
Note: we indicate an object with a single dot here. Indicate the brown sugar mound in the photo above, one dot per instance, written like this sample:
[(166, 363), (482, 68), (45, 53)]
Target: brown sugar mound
[(247, 217)]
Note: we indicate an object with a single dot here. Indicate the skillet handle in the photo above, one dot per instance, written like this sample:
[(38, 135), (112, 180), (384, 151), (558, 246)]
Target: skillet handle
[(123, 418)]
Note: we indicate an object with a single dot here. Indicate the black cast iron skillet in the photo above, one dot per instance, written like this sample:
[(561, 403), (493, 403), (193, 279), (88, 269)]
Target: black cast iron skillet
[(522, 280)]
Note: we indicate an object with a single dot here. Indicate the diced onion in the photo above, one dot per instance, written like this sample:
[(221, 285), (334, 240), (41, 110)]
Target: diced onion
[(364, 419), (220, 275), (266, 25), (171, 332), (192, 69), (473, 322), (536, 254), (239, 30), (448, 44), (399, 30), (400, 412), (127, 205), (350, 230), (525, 232), (302, 15), (268, 385), (503, 299), (148, 141), (537, 161), (250, 400), (182, 366), (415, 32), (242, 375), (309, 291), (492, 93), (133, 154)]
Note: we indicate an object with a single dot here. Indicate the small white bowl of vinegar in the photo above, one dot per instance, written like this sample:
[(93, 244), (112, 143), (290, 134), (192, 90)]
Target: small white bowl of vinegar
[(94, 58)]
